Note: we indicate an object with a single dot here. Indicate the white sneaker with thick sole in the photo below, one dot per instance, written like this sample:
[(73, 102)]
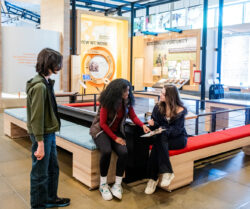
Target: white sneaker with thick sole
[(151, 186), (117, 191), (105, 191), (166, 179)]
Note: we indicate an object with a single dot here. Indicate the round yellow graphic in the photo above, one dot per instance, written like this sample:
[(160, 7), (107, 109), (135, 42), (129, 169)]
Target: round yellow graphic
[(100, 65)]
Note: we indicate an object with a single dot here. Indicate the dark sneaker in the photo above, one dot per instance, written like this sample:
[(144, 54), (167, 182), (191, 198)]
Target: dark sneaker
[(59, 202)]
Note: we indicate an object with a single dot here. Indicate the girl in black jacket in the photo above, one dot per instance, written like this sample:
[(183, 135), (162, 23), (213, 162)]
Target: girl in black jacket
[(168, 114)]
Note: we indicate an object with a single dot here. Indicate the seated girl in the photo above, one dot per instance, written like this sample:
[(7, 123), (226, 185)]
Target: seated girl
[(169, 115), (108, 132)]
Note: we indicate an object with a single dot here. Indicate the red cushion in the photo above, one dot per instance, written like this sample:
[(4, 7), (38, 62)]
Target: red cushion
[(239, 132), (85, 104), (206, 140)]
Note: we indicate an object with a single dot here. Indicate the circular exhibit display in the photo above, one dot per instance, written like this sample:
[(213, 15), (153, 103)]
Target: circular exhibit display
[(100, 65)]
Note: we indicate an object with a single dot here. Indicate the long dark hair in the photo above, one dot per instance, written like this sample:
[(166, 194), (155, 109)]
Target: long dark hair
[(111, 96), (48, 59), (172, 99)]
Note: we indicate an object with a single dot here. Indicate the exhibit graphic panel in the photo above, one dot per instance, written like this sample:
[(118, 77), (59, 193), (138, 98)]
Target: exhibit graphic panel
[(99, 64), (104, 55), (169, 58), (20, 55), (172, 58)]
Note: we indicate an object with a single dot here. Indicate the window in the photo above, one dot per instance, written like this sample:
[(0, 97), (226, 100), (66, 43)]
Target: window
[(235, 66), (247, 13), (179, 18), (139, 24), (152, 23), (162, 21), (211, 18), (233, 14), (136, 24), (195, 17)]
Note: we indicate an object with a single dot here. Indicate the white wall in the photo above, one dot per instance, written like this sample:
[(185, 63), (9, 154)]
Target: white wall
[(20, 47)]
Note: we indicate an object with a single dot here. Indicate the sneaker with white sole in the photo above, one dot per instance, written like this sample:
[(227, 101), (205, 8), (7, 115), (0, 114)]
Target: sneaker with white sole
[(166, 179), (105, 191), (151, 186), (117, 191)]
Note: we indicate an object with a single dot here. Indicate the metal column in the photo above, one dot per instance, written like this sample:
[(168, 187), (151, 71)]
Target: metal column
[(219, 45), (131, 41), (204, 54), (147, 17), (73, 30), (119, 11)]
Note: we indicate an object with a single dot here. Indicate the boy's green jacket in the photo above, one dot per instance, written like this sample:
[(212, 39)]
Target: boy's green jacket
[(41, 118)]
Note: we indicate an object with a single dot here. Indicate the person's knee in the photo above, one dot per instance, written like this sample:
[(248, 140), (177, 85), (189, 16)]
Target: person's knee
[(106, 152), (123, 153)]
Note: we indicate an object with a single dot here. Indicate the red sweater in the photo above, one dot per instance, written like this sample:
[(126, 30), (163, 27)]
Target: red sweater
[(120, 113)]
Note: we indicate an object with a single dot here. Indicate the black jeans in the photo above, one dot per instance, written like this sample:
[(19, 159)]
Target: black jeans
[(44, 174), (159, 161), (106, 145)]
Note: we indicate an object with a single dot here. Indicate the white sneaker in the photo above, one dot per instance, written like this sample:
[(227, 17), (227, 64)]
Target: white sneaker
[(151, 186), (117, 190), (166, 179), (106, 194)]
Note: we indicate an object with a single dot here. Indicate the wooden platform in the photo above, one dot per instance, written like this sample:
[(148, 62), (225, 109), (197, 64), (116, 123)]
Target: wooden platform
[(85, 161), (183, 164)]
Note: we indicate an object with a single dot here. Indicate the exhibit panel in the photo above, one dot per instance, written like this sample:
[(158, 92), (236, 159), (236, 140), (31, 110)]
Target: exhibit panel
[(103, 52), (19, 64), (169, 58)]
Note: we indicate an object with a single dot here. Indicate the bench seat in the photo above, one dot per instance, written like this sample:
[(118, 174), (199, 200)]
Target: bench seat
[(73, 138), (211, 139), (76, 139), (69, 131), (77, 134)]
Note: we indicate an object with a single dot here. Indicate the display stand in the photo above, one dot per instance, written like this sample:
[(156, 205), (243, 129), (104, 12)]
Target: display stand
[(176, 82), (169, 58)]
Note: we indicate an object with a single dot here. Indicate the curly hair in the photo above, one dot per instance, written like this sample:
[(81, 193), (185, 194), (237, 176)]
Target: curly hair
[(111, 96), (48, 59)]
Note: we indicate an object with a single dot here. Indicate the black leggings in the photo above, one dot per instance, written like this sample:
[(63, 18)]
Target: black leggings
[(159, 161), (106, 145)]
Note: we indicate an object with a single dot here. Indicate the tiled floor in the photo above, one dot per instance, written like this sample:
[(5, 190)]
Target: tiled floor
[(221, 185)]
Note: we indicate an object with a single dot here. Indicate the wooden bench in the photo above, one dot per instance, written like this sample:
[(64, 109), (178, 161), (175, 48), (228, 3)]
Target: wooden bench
[(203, 146), (85, 155), (86, 160)]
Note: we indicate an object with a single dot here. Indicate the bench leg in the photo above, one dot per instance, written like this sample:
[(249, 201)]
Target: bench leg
[(86, 167), (14, 131), (183, 175), (246, 150)]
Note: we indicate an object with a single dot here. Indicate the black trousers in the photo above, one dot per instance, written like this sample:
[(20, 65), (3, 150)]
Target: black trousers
[(159, 161), (106, 145)]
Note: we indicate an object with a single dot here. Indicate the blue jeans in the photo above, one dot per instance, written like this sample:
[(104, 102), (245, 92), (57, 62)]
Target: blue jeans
[(44, 174)]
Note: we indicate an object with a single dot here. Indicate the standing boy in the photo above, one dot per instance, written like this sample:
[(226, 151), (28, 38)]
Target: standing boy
[(42, 122)]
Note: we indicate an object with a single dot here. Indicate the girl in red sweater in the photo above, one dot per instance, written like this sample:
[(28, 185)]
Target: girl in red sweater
[(107, 130)]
